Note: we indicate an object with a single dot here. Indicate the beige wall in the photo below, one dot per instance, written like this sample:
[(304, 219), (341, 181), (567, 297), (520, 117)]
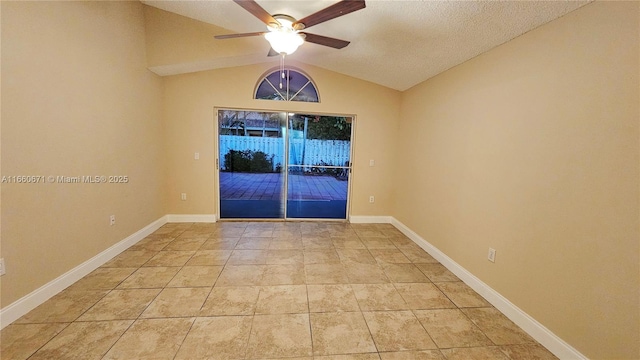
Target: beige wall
[(0, 148), (532, 149), (177, 44), (189, 102), (77, 100)]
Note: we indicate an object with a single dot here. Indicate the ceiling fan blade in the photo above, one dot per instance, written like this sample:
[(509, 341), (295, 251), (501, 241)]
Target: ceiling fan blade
[(326, 41), (257, 11), (272, 52), (232, 36), (342, 8)]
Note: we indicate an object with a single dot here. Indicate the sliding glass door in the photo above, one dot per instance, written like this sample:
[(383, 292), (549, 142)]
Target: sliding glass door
[(276, 165), (251, 156), (318, 166)]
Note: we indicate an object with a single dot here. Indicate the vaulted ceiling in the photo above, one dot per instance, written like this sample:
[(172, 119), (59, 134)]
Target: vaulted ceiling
[(394, 43)]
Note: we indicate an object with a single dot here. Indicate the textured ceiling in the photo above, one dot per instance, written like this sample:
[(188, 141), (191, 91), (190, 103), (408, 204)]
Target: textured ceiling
[(397, 44)]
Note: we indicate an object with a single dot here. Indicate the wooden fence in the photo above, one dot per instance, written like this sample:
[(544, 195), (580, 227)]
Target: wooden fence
[(316, 152)]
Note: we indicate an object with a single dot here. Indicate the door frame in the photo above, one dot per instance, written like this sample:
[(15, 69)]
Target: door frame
[(217, 161)]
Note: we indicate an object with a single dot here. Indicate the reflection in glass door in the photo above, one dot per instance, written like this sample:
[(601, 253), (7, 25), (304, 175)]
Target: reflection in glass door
[(250, 162), (263, 153), (318, 166)]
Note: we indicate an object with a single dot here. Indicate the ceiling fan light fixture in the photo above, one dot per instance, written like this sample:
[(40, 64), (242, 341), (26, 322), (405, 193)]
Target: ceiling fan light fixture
[(284, 41), (282, 36), (285, 33)]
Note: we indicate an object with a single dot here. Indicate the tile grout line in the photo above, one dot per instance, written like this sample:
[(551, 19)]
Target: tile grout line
[(260, 286)]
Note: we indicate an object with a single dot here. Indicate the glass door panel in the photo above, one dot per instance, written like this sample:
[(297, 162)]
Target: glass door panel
[(274, 165), (318, 167), (251, 157)]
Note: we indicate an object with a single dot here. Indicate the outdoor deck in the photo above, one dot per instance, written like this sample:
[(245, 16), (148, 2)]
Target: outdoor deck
[(243, 186), (256, 196)]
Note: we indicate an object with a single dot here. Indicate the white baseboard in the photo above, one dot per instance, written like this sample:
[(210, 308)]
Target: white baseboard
[(179, 218), (370, 219), (530, 325), (30, 301)]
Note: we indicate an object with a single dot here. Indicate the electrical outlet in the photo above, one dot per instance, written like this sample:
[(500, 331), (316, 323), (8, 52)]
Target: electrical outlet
[(372, 199), (3, 270), (372, 162), (492, 255), (183, 196), (196, 156), (112, 220)]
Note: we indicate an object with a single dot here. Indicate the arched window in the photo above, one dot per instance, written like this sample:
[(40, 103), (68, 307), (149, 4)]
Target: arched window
[(294, 86)]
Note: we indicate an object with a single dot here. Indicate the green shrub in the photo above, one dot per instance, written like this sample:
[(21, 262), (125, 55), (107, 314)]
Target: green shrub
[(248, 161), (261, 163)]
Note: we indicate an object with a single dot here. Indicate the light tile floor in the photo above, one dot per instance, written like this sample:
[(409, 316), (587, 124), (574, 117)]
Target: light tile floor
[(251, 290)]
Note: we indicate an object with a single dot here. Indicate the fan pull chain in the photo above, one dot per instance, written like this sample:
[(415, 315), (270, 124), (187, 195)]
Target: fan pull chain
[(281, 69)]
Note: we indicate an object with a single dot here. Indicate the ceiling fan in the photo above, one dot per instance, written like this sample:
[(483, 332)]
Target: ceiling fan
[(285, 33)]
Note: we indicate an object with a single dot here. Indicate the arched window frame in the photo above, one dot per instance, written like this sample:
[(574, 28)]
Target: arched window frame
[(285, 90)]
